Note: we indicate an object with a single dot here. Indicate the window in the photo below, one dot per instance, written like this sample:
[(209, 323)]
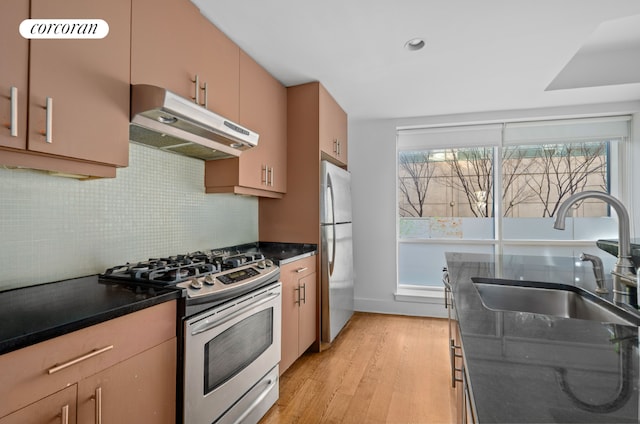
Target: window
[(496, 188)]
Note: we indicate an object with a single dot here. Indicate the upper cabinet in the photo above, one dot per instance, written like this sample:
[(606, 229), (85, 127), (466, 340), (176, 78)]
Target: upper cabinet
[(261, 170), (199, 62), (14, 72), (333, 127), (71, 113), (173, 46), (314, 122)]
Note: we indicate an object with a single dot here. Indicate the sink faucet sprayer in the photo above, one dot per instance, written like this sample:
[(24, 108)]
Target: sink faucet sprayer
[(624, 269), (598, 271)]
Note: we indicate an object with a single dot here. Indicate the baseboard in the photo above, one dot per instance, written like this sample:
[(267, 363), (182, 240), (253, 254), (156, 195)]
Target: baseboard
[(421, 309)]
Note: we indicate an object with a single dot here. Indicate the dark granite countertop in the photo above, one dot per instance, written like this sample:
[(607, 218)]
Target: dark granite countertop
[(611, 247), (34, 314), (525, 367), (37, 313), (283, 253), (280, 253)]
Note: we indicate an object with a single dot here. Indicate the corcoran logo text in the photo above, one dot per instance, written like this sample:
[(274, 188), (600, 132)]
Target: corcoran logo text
[(64, 28)]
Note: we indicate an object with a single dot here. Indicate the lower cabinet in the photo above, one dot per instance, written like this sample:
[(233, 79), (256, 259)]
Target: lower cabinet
[(462, 404), (141, 389), (118, 371), (299, 309)]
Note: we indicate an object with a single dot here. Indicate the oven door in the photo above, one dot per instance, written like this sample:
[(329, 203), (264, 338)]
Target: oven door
[(230, 353)]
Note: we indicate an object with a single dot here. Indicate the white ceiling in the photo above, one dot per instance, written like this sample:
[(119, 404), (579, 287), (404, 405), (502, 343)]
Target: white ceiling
[(488, 55)]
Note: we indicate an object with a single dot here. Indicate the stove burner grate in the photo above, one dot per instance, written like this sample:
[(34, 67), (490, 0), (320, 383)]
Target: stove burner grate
[(179, 268)]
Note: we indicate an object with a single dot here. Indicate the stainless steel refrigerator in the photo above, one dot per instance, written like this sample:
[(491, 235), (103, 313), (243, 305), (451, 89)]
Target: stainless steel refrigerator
[(336, 250)]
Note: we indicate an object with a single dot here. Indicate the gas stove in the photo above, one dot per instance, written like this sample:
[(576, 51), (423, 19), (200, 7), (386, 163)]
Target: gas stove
[(206, 276)]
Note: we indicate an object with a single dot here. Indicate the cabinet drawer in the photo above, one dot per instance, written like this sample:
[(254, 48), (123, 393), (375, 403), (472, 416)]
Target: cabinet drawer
[(33, 372), (300, 268)]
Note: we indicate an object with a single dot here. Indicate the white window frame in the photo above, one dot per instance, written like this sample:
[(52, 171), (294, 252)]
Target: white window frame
[(511, 133)]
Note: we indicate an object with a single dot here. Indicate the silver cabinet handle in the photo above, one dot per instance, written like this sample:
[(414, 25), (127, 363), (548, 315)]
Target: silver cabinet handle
[(304, 289), (447, 293), (98, 398), (270, 179), (454, 355), (84, 357), (64, 415), (196, 82), (14, 112), (48, 132), (264, 175), (303, 269), (339, 149), (335, 146), (206, 98), (297, 289)]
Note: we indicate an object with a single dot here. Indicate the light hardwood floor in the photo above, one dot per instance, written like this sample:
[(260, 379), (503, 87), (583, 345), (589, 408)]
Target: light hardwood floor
[(381, 369)]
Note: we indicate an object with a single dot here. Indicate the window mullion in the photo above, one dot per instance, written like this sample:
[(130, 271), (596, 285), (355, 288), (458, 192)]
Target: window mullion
[(497, 198)]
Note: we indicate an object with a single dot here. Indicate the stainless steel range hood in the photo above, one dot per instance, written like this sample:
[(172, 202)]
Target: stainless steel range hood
[(164, 120)]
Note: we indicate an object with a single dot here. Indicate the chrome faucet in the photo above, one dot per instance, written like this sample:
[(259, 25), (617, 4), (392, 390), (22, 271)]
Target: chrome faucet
[(624, 269)]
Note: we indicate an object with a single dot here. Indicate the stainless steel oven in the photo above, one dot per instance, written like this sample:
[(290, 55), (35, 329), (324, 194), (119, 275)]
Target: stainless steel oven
[(230, 325), (231, 359)]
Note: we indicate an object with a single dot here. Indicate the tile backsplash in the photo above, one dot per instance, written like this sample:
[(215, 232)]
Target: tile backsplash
[(52, 228)]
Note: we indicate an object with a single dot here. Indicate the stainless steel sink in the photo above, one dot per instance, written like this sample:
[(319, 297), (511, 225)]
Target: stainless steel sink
[(554, 299)]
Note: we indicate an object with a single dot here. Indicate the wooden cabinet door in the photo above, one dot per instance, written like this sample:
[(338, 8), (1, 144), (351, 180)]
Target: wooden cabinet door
[(457, 372), (140, 390), (14, 51), (88, 82), (333, 127), (59, 407), (171, 43), (165, 45), (220, 59), (308, 313), (290, 309), (299, 309), (263, 108)]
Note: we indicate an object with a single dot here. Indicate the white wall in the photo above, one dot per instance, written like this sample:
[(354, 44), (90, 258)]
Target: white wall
[(372, 162), (52, 228)]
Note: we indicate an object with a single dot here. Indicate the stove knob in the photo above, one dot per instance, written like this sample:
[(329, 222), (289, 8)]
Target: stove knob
[(210, 280), (195, 284), (268, 263), (262, 264)]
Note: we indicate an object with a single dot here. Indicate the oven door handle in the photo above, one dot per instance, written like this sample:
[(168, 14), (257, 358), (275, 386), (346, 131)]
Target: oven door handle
[(207, 325)]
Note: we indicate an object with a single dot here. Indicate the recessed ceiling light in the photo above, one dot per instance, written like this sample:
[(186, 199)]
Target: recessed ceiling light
[(414, 44)]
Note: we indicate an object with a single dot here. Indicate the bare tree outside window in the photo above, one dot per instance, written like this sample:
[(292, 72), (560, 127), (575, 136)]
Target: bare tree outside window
[(417, 170), (560, 170), (515, 168), (472, 171), (535, 179)]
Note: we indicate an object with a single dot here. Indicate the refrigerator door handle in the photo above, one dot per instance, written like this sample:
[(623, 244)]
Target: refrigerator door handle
[(332, 225)]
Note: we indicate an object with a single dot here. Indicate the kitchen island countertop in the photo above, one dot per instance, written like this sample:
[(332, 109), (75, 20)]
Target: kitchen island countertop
[(525, 367)]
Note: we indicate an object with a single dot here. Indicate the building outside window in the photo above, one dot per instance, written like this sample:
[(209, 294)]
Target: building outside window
[(496, 188)]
